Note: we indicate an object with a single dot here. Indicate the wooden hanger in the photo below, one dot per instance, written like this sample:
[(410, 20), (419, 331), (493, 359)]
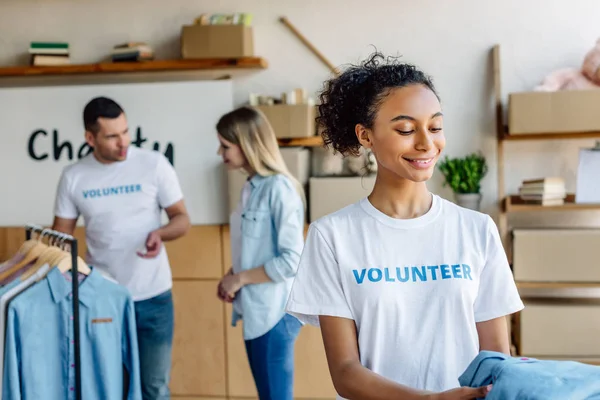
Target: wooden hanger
[(48, 256), (65, 263), (28, 244), (31, 256)]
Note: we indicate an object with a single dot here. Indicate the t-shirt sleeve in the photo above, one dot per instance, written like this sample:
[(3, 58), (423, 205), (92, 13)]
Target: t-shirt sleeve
[(169, 190), (498, 295), (317, 288), (64, 206)]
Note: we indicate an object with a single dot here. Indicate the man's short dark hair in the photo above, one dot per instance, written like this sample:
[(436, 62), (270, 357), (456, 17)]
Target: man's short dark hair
[(99, 107)]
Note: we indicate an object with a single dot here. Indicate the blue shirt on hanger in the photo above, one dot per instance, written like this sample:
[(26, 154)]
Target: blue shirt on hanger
[(7, 294), (39, 349)]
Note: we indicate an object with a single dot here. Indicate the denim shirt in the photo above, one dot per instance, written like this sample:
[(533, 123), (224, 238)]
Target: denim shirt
[(38, 361), (273, 237), (515, 378)]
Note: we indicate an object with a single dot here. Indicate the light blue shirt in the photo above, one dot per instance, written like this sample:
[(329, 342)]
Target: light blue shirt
[(39, 351), (9, 292), (515, 378), (272, 236)]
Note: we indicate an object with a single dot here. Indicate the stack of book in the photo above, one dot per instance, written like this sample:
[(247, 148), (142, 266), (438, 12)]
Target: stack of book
[(132, 52), (548, 191), (49, 54), (224, 19)]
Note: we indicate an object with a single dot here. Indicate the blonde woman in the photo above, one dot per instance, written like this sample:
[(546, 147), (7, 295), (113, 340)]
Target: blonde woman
[(266, 243)]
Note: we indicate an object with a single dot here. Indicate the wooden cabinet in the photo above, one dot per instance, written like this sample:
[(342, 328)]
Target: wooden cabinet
[(197, 255), (199, 342)]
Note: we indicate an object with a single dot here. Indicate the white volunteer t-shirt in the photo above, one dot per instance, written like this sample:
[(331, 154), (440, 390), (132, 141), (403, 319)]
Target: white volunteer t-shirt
[(414, 287), (120, 204)]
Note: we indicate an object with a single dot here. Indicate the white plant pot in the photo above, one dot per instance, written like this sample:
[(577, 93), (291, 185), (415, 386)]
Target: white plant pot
[(469, 200)]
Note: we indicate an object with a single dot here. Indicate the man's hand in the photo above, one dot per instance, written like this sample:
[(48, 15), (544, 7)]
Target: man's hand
[(153, 245)]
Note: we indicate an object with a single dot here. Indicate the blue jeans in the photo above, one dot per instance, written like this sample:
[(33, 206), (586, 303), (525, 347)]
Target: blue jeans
[(155, 322), (271, 358)]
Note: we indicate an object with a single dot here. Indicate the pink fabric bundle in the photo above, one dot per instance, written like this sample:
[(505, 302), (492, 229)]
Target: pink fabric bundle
[(588, 77)]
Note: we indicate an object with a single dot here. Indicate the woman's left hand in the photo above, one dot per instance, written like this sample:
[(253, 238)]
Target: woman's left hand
[(231, 284)]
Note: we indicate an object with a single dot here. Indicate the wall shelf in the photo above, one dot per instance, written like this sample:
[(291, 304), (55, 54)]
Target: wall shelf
[(313, 141), (515, 204), (550, 136), (247, 63), (558, 285)]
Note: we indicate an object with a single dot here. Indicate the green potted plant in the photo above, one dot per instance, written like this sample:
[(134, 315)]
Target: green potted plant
[(464, 176)]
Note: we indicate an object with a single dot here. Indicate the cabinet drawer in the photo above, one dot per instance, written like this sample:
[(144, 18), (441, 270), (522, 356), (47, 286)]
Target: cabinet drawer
[(556, 255)]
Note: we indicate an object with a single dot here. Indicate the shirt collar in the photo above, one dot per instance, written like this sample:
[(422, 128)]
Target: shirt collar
[(256, 180), (60, 288)]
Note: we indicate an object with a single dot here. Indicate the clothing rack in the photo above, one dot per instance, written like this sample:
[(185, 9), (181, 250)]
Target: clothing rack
[(72, 242)]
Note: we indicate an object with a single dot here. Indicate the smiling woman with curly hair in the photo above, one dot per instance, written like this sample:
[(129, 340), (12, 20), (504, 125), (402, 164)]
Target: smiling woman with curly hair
[(406, 286)]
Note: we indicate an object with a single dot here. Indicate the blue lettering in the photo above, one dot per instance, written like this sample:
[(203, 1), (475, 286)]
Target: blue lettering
[(359, 278), (110, 191), (445, 271), (388, 278), (467, 272), (403, 274), (399, 274), (377, 273), (420, 272), (456, 271), (433, 269)]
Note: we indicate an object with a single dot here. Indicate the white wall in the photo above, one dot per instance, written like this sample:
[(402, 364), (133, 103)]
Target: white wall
[(31, 178), (450, 39)]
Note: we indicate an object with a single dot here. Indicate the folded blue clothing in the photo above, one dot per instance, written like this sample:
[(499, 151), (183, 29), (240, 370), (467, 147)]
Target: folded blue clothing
[(524, 378)]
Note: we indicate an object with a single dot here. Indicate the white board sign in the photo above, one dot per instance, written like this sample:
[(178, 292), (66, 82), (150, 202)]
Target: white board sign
[(41, 131)]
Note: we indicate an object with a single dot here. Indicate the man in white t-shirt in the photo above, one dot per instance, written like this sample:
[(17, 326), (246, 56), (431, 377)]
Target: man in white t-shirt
[(120, 190)]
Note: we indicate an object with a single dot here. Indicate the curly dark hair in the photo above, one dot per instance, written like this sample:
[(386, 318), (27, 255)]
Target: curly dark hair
[(354, 97)]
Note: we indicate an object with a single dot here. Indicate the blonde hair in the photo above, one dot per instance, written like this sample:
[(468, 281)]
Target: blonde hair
[(249, 128)]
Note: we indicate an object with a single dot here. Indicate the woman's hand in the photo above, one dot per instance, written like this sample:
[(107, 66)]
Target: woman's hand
[(463, 393), (221, 294), (229, 285)]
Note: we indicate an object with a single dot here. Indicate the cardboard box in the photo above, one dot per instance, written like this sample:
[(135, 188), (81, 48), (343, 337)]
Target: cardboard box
[(291, 121), (328, 195), (296, 159), (217, 41), (554, 112), (556, 255), (555, 330)]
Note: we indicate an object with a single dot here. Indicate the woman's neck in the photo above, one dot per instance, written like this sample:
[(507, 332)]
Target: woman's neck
[(400, 198), (249, 171)]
